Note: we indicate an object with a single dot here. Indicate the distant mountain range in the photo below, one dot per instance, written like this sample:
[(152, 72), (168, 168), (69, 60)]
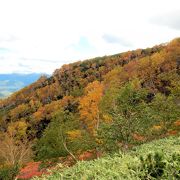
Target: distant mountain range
[(10, 83)]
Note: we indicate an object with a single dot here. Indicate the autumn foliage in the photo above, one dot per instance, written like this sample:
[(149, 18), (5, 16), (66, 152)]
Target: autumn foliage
[(89, 106), (108, 103), (30, 170)]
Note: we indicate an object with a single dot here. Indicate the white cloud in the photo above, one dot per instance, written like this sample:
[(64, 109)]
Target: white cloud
[(41, 35), (170, 19)]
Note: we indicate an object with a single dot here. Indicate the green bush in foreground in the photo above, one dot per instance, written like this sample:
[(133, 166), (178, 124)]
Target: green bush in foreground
[(158, 166), (8, 172), (156, 160)]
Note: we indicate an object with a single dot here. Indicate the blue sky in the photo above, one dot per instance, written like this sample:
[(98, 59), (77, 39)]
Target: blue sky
[(42, 35)]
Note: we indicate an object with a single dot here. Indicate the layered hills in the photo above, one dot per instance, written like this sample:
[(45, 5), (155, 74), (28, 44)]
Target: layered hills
[(9, 83)]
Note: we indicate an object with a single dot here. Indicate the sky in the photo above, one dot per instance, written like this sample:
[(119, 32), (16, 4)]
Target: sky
[(42, 35)]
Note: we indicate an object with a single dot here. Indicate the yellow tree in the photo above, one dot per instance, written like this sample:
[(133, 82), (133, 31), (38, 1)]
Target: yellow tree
[(18, 129), (89, 106)]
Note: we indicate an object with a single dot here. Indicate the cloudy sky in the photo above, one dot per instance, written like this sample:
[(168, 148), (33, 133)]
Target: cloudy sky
[(42, 35)]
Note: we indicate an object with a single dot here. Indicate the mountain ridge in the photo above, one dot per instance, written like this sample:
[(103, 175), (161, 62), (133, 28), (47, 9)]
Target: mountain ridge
[(108, 103)]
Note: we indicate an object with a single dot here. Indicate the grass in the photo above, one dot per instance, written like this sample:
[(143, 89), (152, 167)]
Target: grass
[(159, 159)]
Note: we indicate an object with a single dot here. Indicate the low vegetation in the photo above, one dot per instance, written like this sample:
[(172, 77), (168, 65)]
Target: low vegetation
[(159, 159)]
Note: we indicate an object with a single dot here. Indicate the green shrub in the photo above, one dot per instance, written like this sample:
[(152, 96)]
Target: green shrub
[(157, 166), (55, 138), (130, 115), (50, 145), (153, 166), (8, 172)]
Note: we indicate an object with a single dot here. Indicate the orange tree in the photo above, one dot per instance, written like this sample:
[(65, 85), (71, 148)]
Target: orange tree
[(89, 107)]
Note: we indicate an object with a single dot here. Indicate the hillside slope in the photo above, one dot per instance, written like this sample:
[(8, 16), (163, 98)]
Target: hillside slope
[(104, 105), (68, 81), (163, 163)]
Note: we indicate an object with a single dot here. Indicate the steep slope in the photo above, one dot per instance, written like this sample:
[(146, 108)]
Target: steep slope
[(108, 103), (69, 80), (161, 161)]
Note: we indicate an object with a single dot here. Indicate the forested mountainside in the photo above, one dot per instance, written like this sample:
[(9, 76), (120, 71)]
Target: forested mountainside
[(66, 84), (106, 103)]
